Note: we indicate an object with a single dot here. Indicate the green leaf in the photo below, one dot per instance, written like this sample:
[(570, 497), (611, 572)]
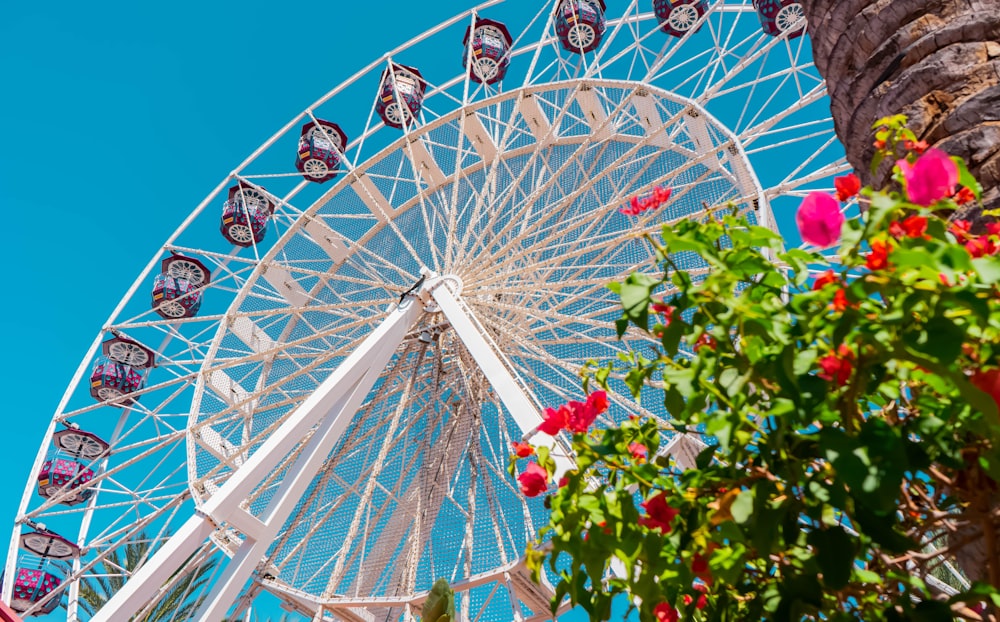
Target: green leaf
[(932, 611), (635, 294), (742, 507), (835, 550)]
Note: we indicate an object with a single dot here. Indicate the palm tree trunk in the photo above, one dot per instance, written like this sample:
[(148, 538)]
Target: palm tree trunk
[(936, 61)]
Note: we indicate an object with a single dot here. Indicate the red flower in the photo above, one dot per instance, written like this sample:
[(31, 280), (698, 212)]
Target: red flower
[(878, 258), (665, 309), (534, 480), (563, 481), (664, 612), (964, 195), (825, 279), (993, 228), (659, 515), (554, 421), (638, 451), (879, 144), (702, 600), (661, 195), (522, 449), (981, 246), (988, 382), (847, 186), (699, 566), (912, 227), (840, 302), (598, 400), (916, 147), (837, 367), (960, 228), (705, 341)]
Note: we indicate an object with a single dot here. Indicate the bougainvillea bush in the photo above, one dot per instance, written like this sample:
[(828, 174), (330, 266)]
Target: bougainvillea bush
[(848, 395)]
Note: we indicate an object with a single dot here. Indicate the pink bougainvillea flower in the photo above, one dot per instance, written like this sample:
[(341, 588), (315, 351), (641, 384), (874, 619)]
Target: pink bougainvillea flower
[(563, 481), (964, 195), (661, 195), (878, 258), (534, 480), (580, 417), (665, 612), (825, 279), (663, 308), (554, 421), (659, 515), (522, 449), (931, 178), (638, 451), (819, 220), (847, 186), (699, 566), (837, 367)]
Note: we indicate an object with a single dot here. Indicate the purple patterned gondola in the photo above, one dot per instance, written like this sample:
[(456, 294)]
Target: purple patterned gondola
[(111, 380), (404, 84), (321, 144), (66, 471), (490, 51), (176, 290), (47, 555), (245, 214), (580, 24), (778, 17), (677, 17)]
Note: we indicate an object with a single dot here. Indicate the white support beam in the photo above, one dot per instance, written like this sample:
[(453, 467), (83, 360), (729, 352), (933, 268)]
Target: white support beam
[(537, 122), (500, 377), (650, 118), (249, 333), (424, 164), (330, 407), (594, 113), (697, 129), (286, 286), (368, 192), (480, 138), (332, 243)]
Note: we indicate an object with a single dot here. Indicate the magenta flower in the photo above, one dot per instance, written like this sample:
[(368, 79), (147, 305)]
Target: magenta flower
[(931, 178), (534, 480), (819, 219)]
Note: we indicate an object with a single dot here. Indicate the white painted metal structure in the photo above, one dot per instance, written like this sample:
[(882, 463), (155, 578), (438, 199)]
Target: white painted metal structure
[(334, 426)]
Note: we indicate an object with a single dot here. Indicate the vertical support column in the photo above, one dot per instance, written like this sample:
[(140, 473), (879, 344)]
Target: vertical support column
[(484, 351), (330, 407)]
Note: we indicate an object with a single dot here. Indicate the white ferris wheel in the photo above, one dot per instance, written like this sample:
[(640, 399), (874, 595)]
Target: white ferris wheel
[(315, 382)]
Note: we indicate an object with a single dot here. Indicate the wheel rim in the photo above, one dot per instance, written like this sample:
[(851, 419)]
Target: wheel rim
[(187, 270), (108, 393), (315, 168), (172, 309), (486, 69), (789, 17), (397, 114), (683, 18), (128, 354), (241, 234), (581, 36)]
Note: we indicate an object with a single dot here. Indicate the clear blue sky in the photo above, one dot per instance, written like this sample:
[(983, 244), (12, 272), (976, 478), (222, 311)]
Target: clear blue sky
[(116, 119)]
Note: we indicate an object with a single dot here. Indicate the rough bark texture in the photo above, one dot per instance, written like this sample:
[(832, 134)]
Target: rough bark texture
[(936, 61)]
